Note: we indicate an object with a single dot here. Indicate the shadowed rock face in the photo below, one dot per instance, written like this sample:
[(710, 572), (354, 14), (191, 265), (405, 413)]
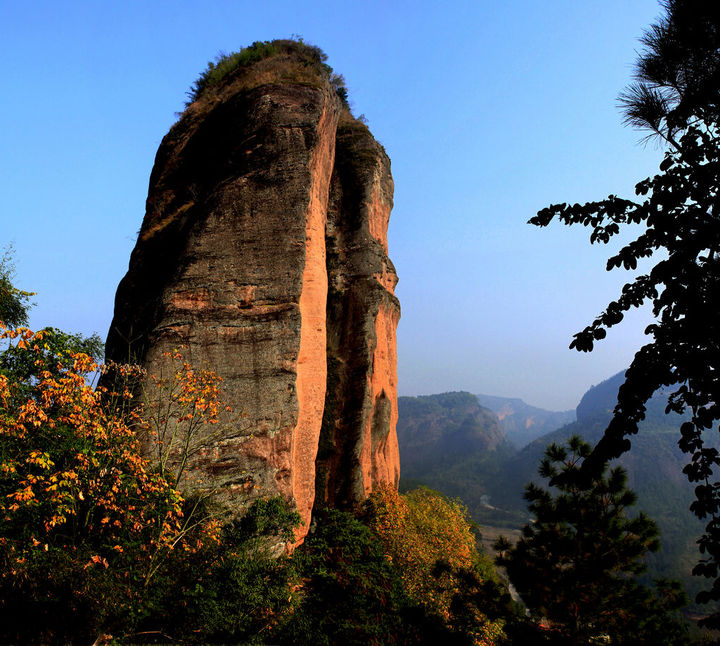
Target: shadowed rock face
[(263, 251)]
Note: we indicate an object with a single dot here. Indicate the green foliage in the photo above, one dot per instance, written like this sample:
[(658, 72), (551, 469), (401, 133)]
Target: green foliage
[(577, 563), (338, 587), (271, 517), (352, 594), (225, 64), (677, 72), (231, 590), (420, 529), (675, 97), (14, 302)]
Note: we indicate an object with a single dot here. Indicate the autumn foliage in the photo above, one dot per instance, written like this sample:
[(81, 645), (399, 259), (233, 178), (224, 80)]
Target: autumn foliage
[(96, 541), (182, 406), (80, 509), (429, 540)]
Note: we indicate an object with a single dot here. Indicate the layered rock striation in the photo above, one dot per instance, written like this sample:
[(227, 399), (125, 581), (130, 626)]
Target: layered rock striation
[(263, 253)]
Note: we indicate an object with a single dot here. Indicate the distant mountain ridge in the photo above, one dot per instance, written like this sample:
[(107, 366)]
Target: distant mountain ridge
[(454, 420), (600, 400), (521, 422), (490, 478), (451, 443)]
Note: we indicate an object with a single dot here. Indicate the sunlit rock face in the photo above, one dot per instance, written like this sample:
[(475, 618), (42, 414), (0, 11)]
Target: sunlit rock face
[(358, 448), (263, 254)]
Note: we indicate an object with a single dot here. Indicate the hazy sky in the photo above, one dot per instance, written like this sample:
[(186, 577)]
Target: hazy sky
[(489, 111)]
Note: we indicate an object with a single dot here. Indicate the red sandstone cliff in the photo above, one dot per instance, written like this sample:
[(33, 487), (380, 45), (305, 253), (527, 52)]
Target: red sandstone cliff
[(358, 446), (258, 204)]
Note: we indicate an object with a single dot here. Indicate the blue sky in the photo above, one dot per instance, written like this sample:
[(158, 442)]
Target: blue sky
[(489, 111)]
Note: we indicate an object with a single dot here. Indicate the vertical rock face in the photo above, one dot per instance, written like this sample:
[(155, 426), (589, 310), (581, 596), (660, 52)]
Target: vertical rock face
[(263, 252), (358, 446)]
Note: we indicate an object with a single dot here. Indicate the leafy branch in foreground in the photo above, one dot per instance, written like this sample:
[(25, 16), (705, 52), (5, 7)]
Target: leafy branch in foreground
[(676, 97), (80, 510)]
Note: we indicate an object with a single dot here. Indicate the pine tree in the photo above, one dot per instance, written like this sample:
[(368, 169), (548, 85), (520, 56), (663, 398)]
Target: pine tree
[(577, 562)]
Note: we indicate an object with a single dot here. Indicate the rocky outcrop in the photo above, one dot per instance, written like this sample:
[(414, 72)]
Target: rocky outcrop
[(263, 252), (359, 442), (447, 426)]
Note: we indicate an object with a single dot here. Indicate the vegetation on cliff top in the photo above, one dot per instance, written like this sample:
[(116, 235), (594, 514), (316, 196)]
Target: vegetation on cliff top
[(310, 56)]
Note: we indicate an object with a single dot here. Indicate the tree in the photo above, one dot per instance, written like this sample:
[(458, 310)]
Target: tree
[(58, 348), (430, 541), (576, 564), (676, 97), (55, 354), (181, 408), (83, 517), (14, 302)]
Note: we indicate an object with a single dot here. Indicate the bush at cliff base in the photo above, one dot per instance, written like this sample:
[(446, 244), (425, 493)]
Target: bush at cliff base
[(349, 593), (429, 540)]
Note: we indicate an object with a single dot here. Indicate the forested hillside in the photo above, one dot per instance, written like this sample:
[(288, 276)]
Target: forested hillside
[(451, 443), (490, 476)]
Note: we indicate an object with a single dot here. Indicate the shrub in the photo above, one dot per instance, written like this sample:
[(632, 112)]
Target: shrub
[(430, 541), (231, 590), (224, 64), (350, 593)]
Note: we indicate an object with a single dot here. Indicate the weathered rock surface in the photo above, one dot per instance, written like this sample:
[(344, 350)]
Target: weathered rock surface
[(258, 205), (359, 442)]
